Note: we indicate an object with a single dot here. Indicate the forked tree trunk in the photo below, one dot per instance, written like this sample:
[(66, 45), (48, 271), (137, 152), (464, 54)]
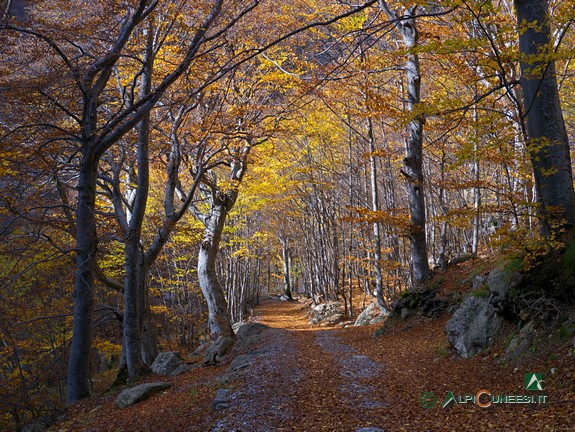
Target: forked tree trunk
[(218, 315), (547, 144), (134, 259), (220, 204)]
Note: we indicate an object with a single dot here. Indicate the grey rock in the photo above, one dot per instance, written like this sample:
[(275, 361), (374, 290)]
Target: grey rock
[(501, 282), (222, 399), (241, 362), (406, 313), (377, 319), (180, 369), (218, 349), (236, 326), (472, 326), (517, 347), (169, 363), (335, 318), (365, 316), (479, 281), (139, 393), (201, 350), (522, 341), (224, 380), (325, 311), (284, 298), (460, 259), (249, 330)]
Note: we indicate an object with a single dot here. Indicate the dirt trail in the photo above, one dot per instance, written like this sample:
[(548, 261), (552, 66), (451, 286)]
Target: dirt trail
[(329, 379), (304, 378)]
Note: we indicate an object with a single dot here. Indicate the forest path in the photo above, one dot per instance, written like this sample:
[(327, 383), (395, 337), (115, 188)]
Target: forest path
[(313, 378), (306, 378), (303, 378)]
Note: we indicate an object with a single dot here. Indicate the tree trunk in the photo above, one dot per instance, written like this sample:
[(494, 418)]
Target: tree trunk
[(218, 316), (476, 189), (414, 145), (376, 235), (78, 385), (547, 144), (286, 258), (134, 259)]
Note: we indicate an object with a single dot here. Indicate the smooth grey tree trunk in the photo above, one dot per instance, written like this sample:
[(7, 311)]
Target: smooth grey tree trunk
[(376, 234), (413, 161), (134, 260), (547, 144), (91, 80), (220, 203), (476, 188), (286, 258), (218, 315)]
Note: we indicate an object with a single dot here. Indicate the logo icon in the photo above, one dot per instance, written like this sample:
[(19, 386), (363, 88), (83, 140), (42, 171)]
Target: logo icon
[(427, 400), (533, 381), (448, 399)]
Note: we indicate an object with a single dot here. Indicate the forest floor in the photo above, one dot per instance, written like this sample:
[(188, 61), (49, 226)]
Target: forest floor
[(310, 378)]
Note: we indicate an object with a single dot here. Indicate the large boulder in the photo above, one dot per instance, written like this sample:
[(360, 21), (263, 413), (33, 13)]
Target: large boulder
[(139, 393), (501, 284), (236, 326), (169, 363), (330, 312), (241, 362), (218, 350), (365, 317), (521, 341), (249, 333), (472, 326)]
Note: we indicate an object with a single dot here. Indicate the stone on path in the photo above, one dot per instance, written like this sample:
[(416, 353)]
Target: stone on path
[(139, 393), (169, 363), (218, 349), (222, 399)]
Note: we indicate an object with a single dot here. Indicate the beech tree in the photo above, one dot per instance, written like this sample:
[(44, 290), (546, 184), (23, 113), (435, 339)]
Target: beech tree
[(95, 136), (547, 144), (407, 27)]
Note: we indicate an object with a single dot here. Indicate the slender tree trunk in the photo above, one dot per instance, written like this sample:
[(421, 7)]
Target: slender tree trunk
[(476, 189), (376, 234), (286, 258), (78, 384), (548, 143), (443, 207), (134, 259), (414, 145)]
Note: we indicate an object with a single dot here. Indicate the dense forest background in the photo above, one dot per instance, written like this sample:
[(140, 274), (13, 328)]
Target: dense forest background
[(163, 163)]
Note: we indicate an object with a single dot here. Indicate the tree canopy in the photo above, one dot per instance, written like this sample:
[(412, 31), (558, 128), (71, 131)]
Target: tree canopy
[(163, 163)]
